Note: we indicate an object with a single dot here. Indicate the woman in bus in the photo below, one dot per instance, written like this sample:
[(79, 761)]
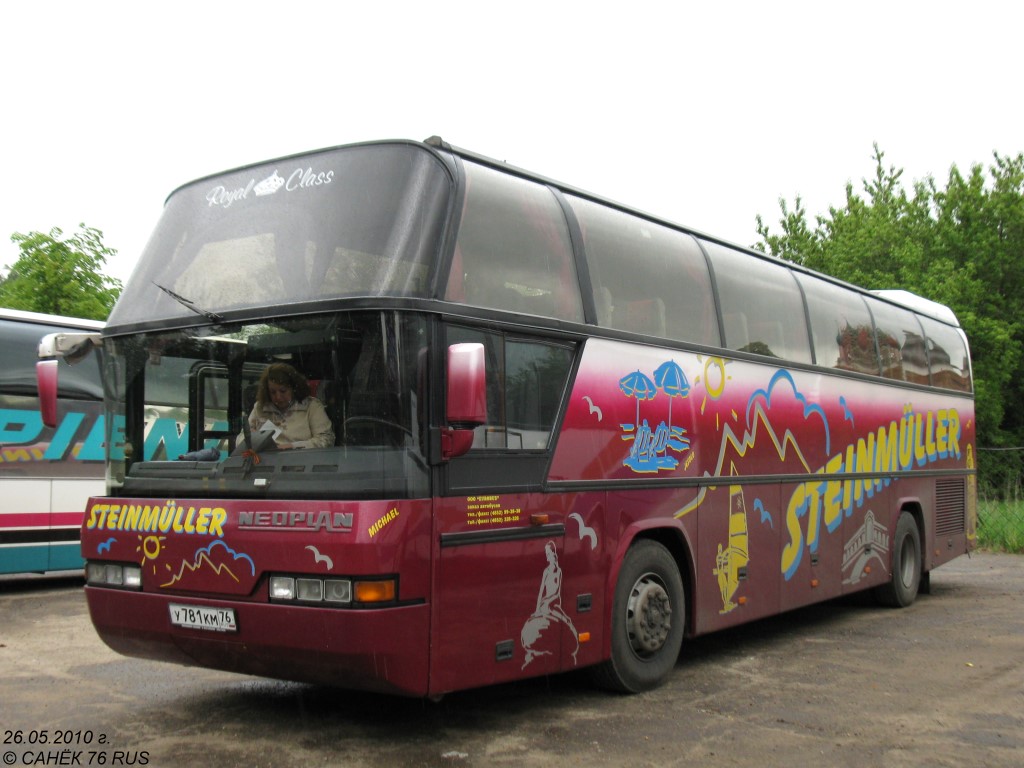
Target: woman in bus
[(283, 400)]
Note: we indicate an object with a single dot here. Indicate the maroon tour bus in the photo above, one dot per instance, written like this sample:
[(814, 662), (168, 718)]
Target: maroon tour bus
[(564, 434)]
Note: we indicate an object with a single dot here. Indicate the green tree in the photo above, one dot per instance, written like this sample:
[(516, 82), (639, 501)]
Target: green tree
[(962, 245), (61, 276)]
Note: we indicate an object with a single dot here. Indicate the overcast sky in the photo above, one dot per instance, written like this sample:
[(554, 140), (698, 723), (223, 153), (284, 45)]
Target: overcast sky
[(703, 113)]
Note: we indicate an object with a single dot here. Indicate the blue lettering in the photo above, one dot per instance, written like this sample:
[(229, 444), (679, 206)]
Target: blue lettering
[(117, 439), (165, 432), (61, 440), (92, 448), (19, 426)]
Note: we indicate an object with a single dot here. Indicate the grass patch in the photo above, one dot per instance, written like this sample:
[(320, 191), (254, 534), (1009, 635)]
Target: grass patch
[(1001, 525)]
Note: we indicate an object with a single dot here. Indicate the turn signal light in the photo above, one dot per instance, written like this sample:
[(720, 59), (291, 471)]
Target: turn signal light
[(375, 591)]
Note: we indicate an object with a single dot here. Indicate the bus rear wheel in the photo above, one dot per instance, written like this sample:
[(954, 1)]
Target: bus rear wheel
[(902, 588), (648, 618)]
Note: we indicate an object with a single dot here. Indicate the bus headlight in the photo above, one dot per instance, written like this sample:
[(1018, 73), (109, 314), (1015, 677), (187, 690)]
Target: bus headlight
[(338, 591), (282, 588), (311, 590), (333, 591), (118, 575)]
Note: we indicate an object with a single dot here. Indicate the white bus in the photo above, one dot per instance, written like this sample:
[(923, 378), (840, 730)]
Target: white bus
[(46, 475)]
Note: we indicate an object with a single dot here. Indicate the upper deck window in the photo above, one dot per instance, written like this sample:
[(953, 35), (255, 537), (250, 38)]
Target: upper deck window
[(901, 346), (762, 309), (513, 250), (947, 356), (647, 278), (358, 221), (841, 326)]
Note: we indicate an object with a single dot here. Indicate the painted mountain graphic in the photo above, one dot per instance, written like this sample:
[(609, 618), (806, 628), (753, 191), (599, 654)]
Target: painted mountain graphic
[(213, 567)]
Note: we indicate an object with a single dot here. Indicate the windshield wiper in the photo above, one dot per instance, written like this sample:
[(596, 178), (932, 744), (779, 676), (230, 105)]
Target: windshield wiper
[(190, 304)]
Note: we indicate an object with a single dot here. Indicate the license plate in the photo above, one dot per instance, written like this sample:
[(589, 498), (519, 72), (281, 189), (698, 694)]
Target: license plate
[(201, 617)]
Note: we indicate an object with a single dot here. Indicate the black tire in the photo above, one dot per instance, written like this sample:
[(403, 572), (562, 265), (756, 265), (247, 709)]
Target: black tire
[(648, 619), (905, 579)]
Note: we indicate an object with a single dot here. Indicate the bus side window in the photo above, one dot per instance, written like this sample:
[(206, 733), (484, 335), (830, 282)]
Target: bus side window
[(645, 316), (736, 334), (647, 278), (605, 307), (513, 251), (525, 383), (947, 356), (764, 292), (841, 327), (768, 336)]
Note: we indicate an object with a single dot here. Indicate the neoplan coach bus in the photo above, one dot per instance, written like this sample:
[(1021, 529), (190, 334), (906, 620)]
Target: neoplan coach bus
[(567, 434)]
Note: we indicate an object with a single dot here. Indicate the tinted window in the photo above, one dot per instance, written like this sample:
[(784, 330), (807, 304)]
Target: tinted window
[(901, 346), (947, 356), (647, 278), (19, 347), (358, 387), (513, 250), (525, 382), (762, 309), (361, 221), (841, 327)]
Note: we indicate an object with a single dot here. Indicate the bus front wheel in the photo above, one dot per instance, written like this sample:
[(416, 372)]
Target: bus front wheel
[(648, 618), (902, 588)]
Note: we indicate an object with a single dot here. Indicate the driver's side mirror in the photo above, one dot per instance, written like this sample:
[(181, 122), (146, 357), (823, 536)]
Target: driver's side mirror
[(46, 383), (70, 347), (466, 402)]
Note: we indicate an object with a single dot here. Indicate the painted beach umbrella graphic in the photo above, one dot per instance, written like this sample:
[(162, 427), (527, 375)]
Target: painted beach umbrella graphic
[(670, 378), (640, 386)]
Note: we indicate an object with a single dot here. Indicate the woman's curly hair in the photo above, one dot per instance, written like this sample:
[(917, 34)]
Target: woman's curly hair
[(281, 374)]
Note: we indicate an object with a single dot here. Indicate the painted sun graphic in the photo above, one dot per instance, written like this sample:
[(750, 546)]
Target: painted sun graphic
[(150, 547), (714, 378)]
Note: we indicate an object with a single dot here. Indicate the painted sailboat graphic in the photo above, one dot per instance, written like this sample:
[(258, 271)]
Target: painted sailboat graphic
[(733, 558)]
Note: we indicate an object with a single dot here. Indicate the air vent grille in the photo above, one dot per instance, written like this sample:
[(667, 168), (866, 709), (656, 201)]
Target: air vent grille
[(950, 506)]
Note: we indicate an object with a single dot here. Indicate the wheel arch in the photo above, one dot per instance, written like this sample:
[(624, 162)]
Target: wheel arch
[(913, 506), (676, 540)]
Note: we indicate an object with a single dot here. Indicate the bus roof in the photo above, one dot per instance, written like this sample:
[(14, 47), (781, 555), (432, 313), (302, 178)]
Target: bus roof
[(919, 304), (43, 319)]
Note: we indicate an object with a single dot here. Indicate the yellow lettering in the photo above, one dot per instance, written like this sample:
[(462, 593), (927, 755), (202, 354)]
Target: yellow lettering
[(865, 462), (848, 484), (886, 450), (792, 551), (166, 517), (940, 434), (929, 440), (833, 493), (954, 432), (203, 521), (907, 439), (919, 440), (177, 526), (812, 491), (149, 519), (130, 517), (217, 517)]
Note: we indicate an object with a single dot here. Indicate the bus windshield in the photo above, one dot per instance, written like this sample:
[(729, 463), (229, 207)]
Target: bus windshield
[(358, 221), (195, 411)]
